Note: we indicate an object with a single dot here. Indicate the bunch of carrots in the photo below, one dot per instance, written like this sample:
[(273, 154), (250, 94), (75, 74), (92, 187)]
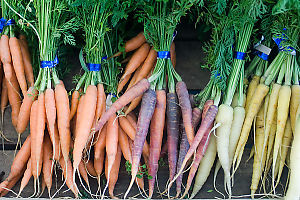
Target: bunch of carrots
[(87, 134)]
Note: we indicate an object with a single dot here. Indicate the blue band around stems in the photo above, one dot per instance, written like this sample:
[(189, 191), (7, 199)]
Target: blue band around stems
[(50, 64), (239, 55), (262, 55), (163, 54), (217, 74), (112, 94), (94, 67), (4, 22), (283, 37)]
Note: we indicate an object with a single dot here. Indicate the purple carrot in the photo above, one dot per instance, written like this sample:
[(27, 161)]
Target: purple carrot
[(164, 150), (186, 109), (200, 150), (196, 116), (184, 147), (135, 91), (173, 132), (156, 135), (145, 115), (205, 125), (192, 100)]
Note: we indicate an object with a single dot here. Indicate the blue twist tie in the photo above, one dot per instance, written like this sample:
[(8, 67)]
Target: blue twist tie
[(262, 55), (240, 55), (104, 58), (50, 64), (4, 22), (163, 54), (94, 67)]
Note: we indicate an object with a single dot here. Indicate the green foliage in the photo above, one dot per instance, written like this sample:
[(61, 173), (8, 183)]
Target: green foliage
[(143, 171)]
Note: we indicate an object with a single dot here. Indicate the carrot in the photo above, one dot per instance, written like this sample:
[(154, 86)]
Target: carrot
[(145, 115), (8, 185), (173, 132), (295, 102), (136, 60), (128, 96), (131, 132), (251, 89), (134, 104), (196, 116), (63, 119), (201, 150), (255, 103), (186, 109), (6, 57), (18, 63), (38, 137), (78, 113), (173, 54), (114, 174), (47, 162), (293, 191), (99, 152), (26, 60), (205, 125), (133, 43), (55, 142), (26, 177), (84, 125), (156, 135), (147, 65), (112, 136), (259, 161), (68, 175), (282, 115), (14, 98), (89, 165), (124, 145), (184, 147), (134, 77), (286, 142), (101, 98), (205, 166), (4, 99), (74, 103), (24, 113), (164, 150), (83, 173)]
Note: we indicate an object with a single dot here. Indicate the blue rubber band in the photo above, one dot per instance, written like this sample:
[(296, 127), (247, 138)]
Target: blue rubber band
[(4, 22), (94, 67), (279, 39), (112, 94), (240, 55), (163, 54), (50, 64), (262, 55), (104, 58)]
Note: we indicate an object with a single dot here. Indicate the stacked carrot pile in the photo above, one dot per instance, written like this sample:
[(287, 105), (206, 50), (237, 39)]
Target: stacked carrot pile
[(86, 134)]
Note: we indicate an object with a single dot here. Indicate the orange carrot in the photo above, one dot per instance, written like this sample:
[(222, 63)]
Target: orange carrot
[(89, 165), (133, 43), (111, 145), (26, 177), (83, 173), (68, 175), (54, 137), (38, 137), (78, 113), (18, 63), (47, 162), (101, 98), (74, 103), (84, 125), (26, 60), (134, 104), (4, 98), (156, 135), (14, 98), (24, 114), (134, 77), (99, 152), (137, 59), (63, 119), (114, 174), (6, 57), (124, 145)]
